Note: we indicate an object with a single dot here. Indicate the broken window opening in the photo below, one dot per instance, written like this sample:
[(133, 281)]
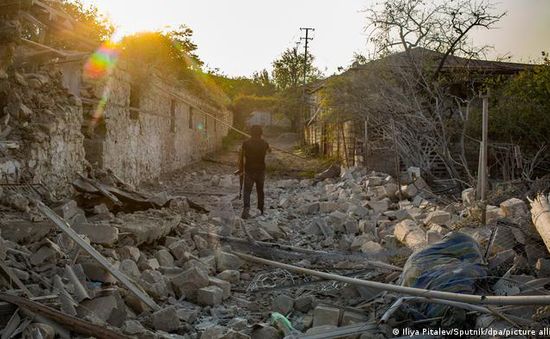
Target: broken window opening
[(191, 118), (173, 116), (135, 94)]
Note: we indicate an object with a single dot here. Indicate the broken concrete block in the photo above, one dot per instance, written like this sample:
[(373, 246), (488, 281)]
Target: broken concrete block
[(373, 249), (310, 208), (224, 285), (200, 243), (493, 214), (189, 281), (232, 276), (164, 258), (16, 201), (403, 228), (23, 231), (146, 228), (390, 190), (379, 206), (502, 260), (179, 249), (358, 211), (108, 309), (227, 261), (68, 209), (265, 332), (374, 181), (154, 283), (95, 272), (210, 296), (438, 217), (514, 208), (188, 315), (397, 215), (102, 234), (133, 327), (129, 252), (210, 263), (304, 303), (535, 252), (283, 304), (44, 254), (213, 332), (409, 191), (153, 264), (543, 267), (358, 241), (468, 196), (166, 319), (433, 236), (350, 318), (326, 315), (409, 233), (327, 206), (130, 268), (272, 228), (351, 227)]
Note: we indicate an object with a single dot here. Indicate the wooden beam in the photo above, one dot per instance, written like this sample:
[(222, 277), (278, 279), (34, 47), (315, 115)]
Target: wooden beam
[(66, 228), (11, 277), (419, 292), (74, 324)]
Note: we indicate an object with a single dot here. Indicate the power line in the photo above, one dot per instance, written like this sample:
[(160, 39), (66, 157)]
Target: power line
[(307, 38)]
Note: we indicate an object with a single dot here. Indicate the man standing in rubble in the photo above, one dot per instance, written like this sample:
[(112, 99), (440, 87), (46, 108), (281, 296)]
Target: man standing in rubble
[(252, 168)]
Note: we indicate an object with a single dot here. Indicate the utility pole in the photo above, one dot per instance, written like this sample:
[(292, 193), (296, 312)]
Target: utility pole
[(482, 170), (307, 38)]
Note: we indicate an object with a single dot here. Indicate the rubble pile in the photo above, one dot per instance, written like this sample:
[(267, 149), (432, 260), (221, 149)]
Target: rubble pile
[(171, 270), (41, 121)]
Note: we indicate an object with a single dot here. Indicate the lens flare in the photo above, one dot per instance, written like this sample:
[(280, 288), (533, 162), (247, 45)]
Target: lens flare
[(102, 61)]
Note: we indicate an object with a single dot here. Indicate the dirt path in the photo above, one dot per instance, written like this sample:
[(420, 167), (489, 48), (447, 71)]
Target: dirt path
[(211, 179)]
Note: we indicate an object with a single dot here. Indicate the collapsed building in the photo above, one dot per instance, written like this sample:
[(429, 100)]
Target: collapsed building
[(111, 262), (51, 130)]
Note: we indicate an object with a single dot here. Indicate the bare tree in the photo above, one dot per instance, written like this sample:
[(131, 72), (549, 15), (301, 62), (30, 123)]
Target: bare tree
[(412, 88)]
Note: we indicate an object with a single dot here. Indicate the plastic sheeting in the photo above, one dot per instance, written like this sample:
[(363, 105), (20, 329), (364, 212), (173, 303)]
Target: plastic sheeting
[(453, 264)]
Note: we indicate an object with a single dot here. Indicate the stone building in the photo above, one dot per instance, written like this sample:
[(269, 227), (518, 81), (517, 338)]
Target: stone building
[(149, 128), (347, 134), (54, 123)]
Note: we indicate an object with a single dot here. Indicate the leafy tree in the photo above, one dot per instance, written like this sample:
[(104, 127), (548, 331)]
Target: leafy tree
[(288, 69), (520, 109), (288, 75), (90, 28), (406, 94)]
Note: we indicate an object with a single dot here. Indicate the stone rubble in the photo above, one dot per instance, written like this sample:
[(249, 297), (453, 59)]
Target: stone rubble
[(206, 291)]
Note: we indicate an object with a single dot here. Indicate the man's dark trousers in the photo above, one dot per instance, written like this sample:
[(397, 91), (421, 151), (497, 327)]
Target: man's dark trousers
[(252, 177)]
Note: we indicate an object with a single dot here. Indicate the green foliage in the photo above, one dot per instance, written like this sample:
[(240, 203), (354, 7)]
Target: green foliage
[(91, 25), (288, 69), (173, 53), (520, 109), (259, 85), (243, 105)]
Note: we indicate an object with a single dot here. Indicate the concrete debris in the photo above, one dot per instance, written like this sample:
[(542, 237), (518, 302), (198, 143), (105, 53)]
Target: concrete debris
[(166, 319), (346, 221)]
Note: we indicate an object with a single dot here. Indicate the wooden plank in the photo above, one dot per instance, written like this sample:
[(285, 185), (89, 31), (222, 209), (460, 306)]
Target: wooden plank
[(66, 228), (11, 277), (74, 324)]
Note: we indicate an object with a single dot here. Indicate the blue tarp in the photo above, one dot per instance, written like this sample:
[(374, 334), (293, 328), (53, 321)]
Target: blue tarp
[(453, 264)]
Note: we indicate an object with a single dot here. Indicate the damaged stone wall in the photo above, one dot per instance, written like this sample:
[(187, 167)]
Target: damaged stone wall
[(41, 131), (153, 135), (40, 138)]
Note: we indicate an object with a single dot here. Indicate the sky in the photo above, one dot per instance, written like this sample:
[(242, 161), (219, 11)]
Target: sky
[(239, 37)]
